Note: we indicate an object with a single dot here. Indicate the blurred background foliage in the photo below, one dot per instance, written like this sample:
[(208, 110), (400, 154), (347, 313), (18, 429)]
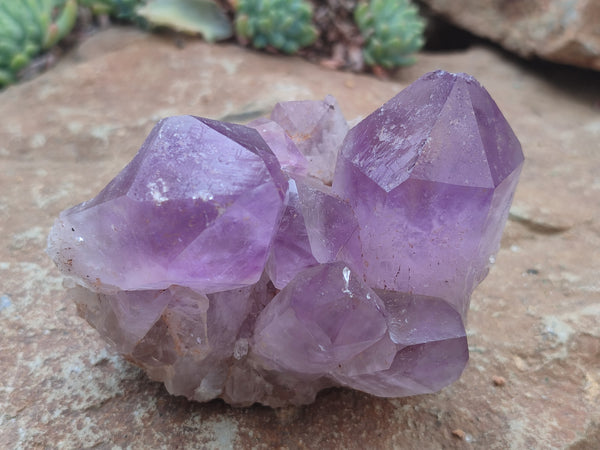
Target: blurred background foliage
[(381, 34)]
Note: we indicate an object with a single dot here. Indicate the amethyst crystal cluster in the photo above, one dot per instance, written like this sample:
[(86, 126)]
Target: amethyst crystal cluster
[(263, 263)]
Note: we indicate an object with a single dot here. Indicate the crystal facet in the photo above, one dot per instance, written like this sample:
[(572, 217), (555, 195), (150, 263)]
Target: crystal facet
[(223, 261)]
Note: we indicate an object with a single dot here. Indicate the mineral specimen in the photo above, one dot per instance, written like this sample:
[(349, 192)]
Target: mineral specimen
[(223, 261)]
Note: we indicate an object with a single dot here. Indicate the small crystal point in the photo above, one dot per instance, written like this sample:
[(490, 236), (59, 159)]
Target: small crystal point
[(223, 261), (318, 129), (428, 343), (324, 317), (317, 227), (292, 161), (291, 251)]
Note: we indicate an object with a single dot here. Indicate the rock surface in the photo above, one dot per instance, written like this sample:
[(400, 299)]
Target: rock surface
[(534, 323), (564, 31)]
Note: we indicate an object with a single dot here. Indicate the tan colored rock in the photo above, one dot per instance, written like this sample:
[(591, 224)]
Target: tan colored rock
[(563, 31), (535, 320)]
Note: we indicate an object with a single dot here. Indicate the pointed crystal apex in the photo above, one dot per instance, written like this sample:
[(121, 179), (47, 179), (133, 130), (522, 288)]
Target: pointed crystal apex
[(317, 128), (424, 192), (292, 161), (321, 319), (198, 195)]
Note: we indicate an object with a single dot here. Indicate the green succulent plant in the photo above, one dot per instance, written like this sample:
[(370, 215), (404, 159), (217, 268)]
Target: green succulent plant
[(283, 24), (393, 32), (119, 9), (27, 27), (203, 17)]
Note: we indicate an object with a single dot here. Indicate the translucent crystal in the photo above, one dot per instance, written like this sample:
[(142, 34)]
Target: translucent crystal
[(432, 194), (198, 207), (318, 129), (223, 261)]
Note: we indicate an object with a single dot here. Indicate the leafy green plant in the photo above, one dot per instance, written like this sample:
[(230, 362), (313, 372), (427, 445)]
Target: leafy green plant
[(119, 9), (283, 24), (203, 17), (393, 32), (27, 27)]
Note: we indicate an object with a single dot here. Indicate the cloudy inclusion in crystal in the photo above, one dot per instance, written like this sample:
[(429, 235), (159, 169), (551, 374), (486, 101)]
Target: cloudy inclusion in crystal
[(223, 261)]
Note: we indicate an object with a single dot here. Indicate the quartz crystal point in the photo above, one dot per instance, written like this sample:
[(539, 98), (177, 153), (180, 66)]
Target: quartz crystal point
[(223, 261), (327, 321), (322, 319), (197, 207), (318, 129), (432, 193), (316, 227), (288, 154)]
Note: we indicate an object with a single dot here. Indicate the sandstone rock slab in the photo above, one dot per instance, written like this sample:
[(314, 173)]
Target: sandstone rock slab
[(535, 321), (563, 31)]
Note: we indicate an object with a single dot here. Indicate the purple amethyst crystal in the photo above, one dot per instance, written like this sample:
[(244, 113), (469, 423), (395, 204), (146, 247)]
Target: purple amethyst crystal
[(222, 261), (432, 194), (198, 207), (316, 227), (288, 154), (317, 128)]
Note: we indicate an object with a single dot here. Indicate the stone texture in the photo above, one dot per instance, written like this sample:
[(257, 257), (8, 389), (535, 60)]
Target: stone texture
[(534, 320), (563, 31)]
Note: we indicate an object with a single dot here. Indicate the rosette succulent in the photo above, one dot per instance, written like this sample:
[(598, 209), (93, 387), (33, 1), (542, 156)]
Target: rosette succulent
[(393, 32), (27, 27), (283, 24)]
